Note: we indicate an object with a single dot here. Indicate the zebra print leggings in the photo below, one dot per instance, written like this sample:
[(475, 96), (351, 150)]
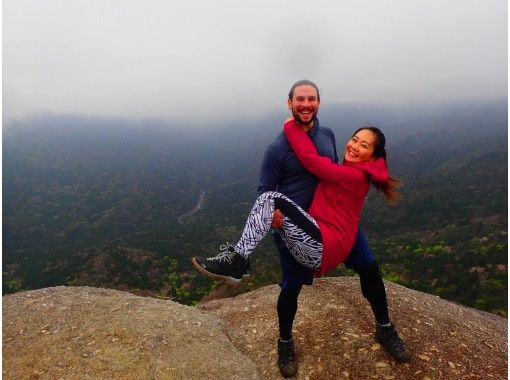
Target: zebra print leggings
[(300, 231)]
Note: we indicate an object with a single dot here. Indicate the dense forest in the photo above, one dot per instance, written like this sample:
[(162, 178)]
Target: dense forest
[(125, 204)]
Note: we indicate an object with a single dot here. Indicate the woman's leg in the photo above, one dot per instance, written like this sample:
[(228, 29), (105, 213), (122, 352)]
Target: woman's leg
[(258, 223), (299, 231), (301, 234), (372, 287)]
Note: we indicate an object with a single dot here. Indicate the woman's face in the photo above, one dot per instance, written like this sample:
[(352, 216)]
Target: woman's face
[(360, 148)]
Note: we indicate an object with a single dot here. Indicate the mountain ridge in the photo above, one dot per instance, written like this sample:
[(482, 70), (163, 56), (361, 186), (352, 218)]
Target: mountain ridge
[(81, 191)]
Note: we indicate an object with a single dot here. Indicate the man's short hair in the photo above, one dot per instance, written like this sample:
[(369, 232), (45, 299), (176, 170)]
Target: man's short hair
[(304, 82)]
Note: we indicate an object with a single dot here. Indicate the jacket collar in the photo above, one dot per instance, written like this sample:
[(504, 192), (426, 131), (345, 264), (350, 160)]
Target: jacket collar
[(313, 132)]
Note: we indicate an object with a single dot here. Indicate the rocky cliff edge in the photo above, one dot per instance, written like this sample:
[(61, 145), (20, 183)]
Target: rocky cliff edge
[(91, 333)]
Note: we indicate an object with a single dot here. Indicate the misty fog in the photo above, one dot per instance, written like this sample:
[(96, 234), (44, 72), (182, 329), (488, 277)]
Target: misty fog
[(199, 62)]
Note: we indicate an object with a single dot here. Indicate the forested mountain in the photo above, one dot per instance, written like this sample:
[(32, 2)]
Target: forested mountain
[(109, 202)]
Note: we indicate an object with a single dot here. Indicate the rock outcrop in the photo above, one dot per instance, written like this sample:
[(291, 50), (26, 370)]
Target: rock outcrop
[(91, 333), (334, 328)]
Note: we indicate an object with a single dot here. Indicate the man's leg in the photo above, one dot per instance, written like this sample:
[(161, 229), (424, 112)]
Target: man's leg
[(372, 286), (294, 276), (287, 308)]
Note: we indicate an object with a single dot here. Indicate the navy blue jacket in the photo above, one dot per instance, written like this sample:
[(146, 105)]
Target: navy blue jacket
[(281, 171)]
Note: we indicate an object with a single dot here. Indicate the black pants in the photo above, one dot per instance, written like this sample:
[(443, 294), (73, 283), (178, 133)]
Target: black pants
[(372, 288)]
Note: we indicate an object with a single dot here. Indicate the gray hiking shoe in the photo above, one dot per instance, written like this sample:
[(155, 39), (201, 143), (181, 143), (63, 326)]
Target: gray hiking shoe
[(287, 358), (389, 339)]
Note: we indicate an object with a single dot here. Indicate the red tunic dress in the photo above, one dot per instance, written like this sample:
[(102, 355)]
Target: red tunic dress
[(339, 196)]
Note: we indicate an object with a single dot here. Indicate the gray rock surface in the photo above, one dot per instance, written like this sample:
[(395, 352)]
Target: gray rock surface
[(91, 333), (334, 328)]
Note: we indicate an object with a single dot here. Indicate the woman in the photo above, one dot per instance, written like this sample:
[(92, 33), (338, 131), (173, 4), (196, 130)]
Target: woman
[(321, 238)]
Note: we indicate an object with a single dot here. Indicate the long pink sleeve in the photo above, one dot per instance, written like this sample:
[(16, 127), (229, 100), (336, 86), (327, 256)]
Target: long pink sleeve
[(303, 147)]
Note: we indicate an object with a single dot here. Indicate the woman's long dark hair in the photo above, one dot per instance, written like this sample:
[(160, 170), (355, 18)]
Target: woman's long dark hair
[(388, 188)]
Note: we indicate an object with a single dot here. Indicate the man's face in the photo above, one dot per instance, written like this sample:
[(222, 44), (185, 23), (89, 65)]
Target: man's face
[(304, 105)]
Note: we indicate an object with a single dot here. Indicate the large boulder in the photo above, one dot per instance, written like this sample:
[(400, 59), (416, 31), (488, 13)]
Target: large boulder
[(91, 333), (334, 328)]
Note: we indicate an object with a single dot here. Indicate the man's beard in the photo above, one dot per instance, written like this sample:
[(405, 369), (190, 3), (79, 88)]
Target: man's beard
[(300, 121)]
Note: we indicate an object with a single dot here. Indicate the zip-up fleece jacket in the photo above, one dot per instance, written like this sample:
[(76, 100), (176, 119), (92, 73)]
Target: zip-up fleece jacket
[(339, 197)]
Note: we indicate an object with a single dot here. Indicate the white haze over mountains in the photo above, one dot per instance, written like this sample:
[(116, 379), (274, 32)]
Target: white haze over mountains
[(212, 61)]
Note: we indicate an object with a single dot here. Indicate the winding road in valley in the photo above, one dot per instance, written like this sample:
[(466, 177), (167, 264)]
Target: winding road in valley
[(200, 204)]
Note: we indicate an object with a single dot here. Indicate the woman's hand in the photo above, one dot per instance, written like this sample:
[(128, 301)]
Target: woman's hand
[(290, 118)]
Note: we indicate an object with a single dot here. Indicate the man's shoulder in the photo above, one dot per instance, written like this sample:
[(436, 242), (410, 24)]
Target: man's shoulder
[(278, 143), (326, 131)]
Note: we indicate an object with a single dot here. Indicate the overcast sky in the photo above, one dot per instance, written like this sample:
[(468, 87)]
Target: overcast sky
[(211, 60)]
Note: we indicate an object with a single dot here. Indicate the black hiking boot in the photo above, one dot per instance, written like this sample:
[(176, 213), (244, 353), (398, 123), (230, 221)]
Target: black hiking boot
[(389, 339), (228, 265), (287, 358)]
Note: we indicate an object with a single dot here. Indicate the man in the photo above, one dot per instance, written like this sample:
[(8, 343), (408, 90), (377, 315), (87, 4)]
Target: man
[(282, 172)]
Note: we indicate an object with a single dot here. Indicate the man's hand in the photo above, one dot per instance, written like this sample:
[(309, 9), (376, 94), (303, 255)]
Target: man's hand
[(277, 219)]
